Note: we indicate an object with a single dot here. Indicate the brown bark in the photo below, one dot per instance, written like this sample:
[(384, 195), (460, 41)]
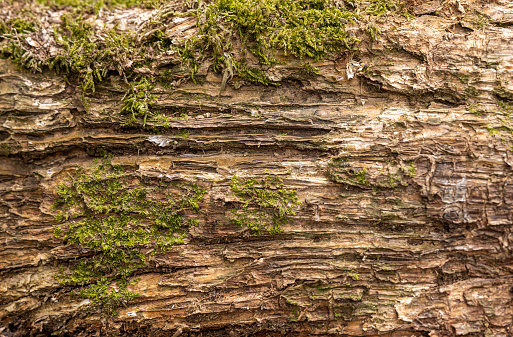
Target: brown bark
[(400, 253)]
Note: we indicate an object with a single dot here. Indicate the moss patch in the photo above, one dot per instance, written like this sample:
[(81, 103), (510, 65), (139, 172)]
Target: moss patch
[(97, 4), (121, 222), (266, 204), (394, 174), (138, 100), (234, 37), (303, 28)]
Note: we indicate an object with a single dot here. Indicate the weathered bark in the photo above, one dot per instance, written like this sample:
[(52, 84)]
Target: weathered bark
[(421, 246)]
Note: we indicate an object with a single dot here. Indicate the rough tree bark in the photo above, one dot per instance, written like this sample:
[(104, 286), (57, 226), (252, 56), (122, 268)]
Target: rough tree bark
[(404, 173)]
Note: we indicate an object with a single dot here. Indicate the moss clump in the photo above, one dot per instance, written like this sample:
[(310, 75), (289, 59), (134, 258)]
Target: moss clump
[(87, 55), (476, 20), (84, 52), (475, 109), (309, 69), (121, 222), (232, 30), (504, 130), (255, 75), (361, 176), (382, 7), (161, 120), (505, 107), (14, 32), (373, 31), (266, 204), (138, 100), (353, 275), (303, 28), (21, 23), (237, 37), (411, 170), (323, 289), (340, 171), (97, 4), (183, 134), (90, 56)]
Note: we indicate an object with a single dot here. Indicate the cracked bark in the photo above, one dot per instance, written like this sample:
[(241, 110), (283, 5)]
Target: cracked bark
[(423, 254)]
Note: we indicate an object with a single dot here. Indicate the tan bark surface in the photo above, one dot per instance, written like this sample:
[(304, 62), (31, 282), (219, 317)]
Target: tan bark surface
[(422, 247)]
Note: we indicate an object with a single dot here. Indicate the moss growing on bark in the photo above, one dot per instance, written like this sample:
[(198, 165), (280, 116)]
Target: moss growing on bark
[(14, 32), (89, 55), (236, 37), (391, 176), (138, 100), (97, 4), (120, 222), (310, 28), (266, 204)]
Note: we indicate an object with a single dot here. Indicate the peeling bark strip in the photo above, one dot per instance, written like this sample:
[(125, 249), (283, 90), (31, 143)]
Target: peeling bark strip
[(399, 153)]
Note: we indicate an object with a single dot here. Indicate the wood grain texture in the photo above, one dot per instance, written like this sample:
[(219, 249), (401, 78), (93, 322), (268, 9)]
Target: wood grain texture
[(424, 247)]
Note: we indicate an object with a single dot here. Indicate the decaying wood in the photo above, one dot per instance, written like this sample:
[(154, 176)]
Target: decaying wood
[(423, 247)]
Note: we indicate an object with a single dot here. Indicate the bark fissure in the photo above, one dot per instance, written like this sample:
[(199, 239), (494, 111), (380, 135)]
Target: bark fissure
[(399, 152)]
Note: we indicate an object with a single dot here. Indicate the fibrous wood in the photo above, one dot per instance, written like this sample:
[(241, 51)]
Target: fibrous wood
[(400, 153)]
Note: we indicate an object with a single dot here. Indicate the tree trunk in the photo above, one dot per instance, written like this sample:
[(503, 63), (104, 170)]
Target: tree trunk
[(400, 154)]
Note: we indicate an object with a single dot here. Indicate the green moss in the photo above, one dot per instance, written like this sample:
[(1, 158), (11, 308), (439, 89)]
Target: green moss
[(303, 28), (464, 78), (102, 293), (505, 107), (478, 20), (161, 120), (107, 211), (97, 4), (382, 7), (237, 37), (57, 230), (474, 109), (266, 204), (353, 275), (309, 69), (295, 315), (393, 175), (492, 131), (348, 176), (138, 100), (373, 31), (361, 176), (411, 169), (321, 289), (23, 23), (183, 116), (183, 134), (356, 297), (5, 149), (14, 32), (255, 75), (504, 131), (471, 91), (89, 56)]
